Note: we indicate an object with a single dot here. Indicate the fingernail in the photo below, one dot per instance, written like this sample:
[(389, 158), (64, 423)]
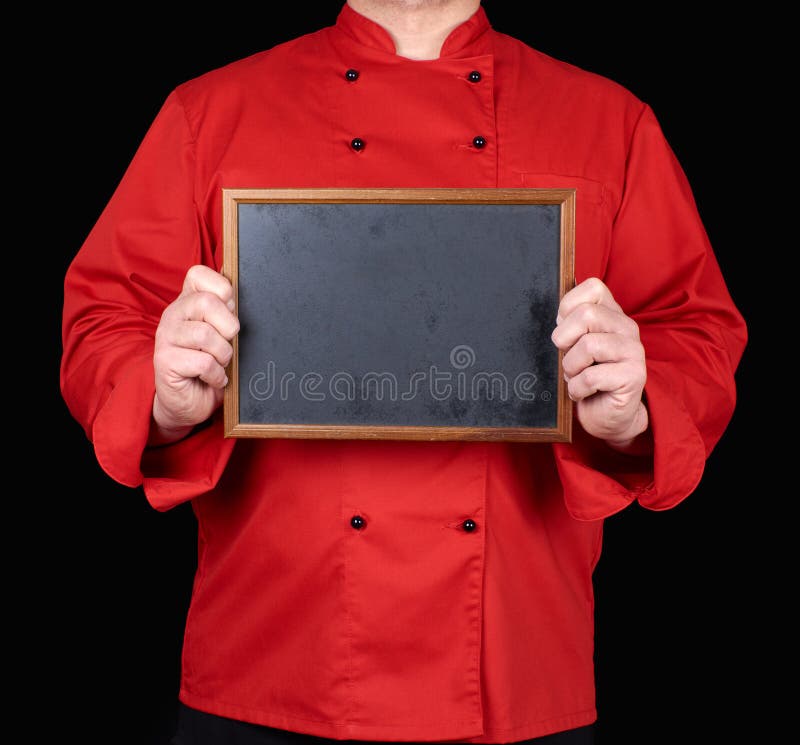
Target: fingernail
[(226, 380), (231, 305), (558, 319)]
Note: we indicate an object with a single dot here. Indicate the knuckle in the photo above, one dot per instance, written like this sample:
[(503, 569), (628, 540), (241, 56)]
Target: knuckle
[(590, 376), (592, 345), (201, 336), (226, 289), (576, 387), (229, 327), (634, 373), (167, 315), (195, 272), (164, 335), (163, 361), (571, 387), (208, 364), (204, 302), (632, 349), (589, 314), (596, 285), (201, 300)]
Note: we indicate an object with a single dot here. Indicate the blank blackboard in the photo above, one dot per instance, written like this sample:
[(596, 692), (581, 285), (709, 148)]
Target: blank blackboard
[(398, 314)]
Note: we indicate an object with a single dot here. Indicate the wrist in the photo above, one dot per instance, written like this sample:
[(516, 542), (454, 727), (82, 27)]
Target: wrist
[(162, 430), (637, 439)]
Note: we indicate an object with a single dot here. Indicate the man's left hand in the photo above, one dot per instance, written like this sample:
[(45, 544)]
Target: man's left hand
[(604, 364)]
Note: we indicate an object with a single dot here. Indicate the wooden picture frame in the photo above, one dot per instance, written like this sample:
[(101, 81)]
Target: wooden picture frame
[(362, 277)]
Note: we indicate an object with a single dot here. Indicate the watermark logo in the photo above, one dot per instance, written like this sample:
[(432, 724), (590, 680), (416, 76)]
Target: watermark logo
[(464, 380), (462, 356)]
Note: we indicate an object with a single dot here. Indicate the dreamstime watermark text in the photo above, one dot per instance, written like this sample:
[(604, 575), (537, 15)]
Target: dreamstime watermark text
[(462, 380)]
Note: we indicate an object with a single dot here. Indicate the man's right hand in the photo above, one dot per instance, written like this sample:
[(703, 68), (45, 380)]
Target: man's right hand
[(191, 351)]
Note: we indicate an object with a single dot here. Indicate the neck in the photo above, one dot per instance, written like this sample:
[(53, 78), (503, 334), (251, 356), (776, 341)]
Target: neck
[(418, 27)]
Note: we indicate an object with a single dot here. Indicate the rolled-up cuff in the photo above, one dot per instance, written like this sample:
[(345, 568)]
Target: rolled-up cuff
[(122, 425), (186, 469), (598, 481), (171, 474)]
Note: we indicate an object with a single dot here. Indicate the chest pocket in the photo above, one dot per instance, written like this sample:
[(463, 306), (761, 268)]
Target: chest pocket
[(593, 218)]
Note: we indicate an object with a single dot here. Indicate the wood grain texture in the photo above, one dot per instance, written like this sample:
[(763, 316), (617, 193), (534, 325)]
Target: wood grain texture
[(230, 269), (564, 426), (400, 196), (361, 432)]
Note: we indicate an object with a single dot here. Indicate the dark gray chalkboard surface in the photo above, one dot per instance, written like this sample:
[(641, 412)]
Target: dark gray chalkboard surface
[(398, 313)]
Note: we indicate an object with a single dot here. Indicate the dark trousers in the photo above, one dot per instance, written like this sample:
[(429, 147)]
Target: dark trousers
[(198, 728)]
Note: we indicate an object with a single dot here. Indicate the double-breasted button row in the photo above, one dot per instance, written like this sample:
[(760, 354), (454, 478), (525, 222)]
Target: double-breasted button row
[(358, 523), (358, 144), (352, 75)]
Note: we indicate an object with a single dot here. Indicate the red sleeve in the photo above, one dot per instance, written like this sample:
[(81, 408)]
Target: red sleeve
[(129, 269), (663, 273)]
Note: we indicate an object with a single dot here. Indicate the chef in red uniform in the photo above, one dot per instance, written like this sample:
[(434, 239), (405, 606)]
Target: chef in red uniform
[(399, 591)]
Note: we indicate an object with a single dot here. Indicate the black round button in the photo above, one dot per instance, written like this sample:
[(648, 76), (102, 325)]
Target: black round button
[(351, 75), (357, 144), (357, 522), (479, 142), (475, 77), (469, 525)]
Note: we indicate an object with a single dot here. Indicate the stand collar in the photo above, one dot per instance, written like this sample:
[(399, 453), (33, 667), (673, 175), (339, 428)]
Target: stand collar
[(365, 31)]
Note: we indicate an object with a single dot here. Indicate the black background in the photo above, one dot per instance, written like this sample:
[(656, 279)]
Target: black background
[(674, 590)]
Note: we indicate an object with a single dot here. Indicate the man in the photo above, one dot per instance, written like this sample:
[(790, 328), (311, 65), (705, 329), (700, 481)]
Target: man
[(388, 590)]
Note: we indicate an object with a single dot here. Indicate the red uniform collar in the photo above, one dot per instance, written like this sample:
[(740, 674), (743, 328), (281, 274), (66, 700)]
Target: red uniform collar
[(367, 32)]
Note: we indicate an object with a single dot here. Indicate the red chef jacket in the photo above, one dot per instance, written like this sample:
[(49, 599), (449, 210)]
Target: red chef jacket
[(410, 628)]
